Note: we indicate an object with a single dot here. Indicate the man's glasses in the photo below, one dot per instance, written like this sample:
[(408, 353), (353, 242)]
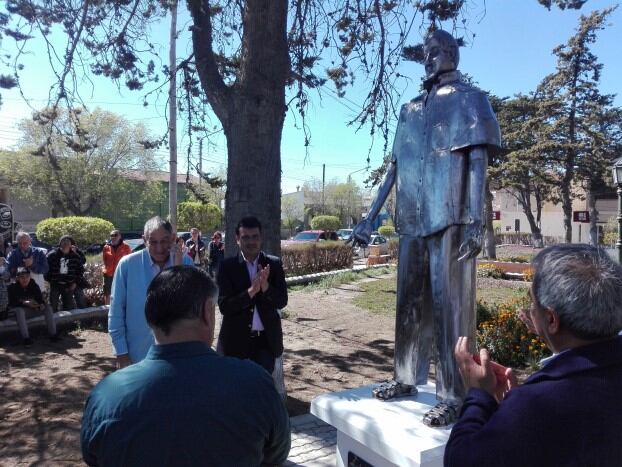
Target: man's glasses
[(114, 235)]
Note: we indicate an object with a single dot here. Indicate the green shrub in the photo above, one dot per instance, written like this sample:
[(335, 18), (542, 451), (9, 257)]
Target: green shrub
[(205, 217), (515, 259), (325, 223), (386, 230), (84, 230), (308, 258)]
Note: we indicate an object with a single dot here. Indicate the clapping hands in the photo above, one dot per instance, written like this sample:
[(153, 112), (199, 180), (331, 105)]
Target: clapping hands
[(478, 371), (260, 282)]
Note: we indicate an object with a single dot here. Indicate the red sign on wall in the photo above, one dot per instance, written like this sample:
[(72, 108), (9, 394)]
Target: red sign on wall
[(496, 215), (581, 216)]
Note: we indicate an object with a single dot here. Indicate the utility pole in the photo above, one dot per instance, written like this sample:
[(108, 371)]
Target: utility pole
[(172, 119), (200, 160), (323, 184)]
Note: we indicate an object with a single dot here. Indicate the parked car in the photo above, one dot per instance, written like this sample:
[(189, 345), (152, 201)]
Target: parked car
[(38, 243), (135, 244), (375, 240), (309, 236), (344, 234)]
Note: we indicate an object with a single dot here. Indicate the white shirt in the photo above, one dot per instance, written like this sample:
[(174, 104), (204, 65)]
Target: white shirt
[(251, 267)]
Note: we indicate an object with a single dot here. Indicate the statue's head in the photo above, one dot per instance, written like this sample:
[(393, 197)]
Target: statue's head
[(441, 53)]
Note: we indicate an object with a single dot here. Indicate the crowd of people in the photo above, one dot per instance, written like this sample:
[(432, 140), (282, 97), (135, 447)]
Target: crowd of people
[(176, 401), (33, 282)]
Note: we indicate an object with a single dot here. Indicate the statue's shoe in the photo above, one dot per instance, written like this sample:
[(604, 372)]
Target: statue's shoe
[(443, 414), (391, 389)]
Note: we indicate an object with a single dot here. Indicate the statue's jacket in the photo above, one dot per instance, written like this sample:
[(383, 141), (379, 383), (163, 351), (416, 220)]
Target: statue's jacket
[(434, 133)]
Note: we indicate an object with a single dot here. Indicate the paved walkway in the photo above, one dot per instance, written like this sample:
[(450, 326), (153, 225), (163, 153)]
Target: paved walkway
[(313, 442)]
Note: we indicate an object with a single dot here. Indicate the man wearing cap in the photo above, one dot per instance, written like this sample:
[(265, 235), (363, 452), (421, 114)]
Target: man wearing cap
[(25, 300)]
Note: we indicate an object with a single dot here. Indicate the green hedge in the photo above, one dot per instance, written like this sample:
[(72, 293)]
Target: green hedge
[(308, 258), (84, 230), (325, 223), (386, 230)]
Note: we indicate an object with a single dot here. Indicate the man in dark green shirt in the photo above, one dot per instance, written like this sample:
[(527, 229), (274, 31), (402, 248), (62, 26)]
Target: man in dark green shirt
[(184, 405)]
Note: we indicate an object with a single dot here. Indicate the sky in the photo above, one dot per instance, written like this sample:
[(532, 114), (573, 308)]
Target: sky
[(510, 53)]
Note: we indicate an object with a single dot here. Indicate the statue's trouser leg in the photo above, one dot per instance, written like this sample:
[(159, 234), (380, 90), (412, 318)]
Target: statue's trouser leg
[(414, 320), (453, 297)]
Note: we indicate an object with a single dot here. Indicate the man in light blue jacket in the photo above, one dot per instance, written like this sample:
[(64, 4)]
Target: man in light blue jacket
[(127, 325)]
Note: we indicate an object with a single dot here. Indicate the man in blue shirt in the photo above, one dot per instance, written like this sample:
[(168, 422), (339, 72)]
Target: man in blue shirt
[(128, 329), (185, 405), (30, 257)]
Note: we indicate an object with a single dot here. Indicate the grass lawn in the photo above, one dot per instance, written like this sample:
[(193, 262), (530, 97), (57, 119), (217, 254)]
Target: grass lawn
[(380, 296), (342, 278)]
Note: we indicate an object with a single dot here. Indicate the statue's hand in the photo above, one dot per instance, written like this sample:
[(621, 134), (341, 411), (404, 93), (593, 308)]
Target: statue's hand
[(472, 244), (361, 234)]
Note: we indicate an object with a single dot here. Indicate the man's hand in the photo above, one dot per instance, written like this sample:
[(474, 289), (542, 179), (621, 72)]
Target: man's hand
[(123, 361), (72, 286), (28, 261), (255, 286), (177, 250), (478, 371), (472, 244), (361, 233), (264, 274)]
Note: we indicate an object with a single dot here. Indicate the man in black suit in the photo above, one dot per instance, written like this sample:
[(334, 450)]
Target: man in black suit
[(251, 291)]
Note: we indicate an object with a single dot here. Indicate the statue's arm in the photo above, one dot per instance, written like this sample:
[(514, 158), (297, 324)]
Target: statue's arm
[(362, 231), (478, 160), (383, 192)]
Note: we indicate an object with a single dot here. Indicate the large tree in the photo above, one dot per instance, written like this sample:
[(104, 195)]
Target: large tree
[(580, 152), (93, 153), (244, 55), (524, 168)]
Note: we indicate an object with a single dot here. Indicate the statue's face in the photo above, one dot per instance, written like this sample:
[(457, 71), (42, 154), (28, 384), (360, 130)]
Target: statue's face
[(437, 59)]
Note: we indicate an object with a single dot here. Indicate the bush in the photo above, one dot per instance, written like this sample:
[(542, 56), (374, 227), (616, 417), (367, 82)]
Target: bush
[(85, 231), (308, 258), (489, 270), (325, 223), (506, 337), (94, 276), (205, 217), (394, 247), (386, 230), (515, 259)]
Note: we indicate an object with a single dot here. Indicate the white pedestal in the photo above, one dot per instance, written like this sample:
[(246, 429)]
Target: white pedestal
[(383, 433)]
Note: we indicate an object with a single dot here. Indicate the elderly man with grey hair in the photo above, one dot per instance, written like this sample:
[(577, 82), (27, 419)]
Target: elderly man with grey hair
[(568, 413), (130, 334)]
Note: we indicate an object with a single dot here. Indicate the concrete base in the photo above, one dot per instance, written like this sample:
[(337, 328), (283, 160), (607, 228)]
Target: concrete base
[(383, 434)]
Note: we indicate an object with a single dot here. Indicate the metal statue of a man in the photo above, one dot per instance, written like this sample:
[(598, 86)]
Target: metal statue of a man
[(440, 153)]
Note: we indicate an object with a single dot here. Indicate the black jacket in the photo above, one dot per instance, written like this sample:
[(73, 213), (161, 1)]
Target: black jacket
[(236, 305), (18, 295), (65, 269)]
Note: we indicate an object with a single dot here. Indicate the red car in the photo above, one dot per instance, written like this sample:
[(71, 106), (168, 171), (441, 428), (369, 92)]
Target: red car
[(307, 236)]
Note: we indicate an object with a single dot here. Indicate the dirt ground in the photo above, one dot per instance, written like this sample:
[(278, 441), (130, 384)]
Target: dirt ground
[(329, 345)]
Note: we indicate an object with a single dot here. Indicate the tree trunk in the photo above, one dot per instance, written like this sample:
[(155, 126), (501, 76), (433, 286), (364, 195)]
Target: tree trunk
[(566, 199), (252, 113), (536, 233), (591, 206), (254, 170), (490, 248)]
